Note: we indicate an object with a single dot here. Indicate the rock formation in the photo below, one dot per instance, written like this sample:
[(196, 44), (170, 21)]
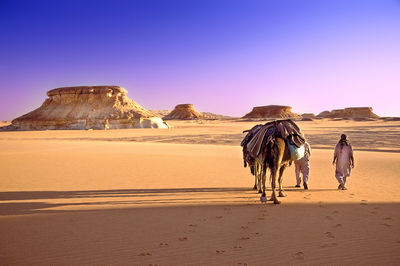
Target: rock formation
[(350, 113), (184, 112), (272, 111), (308, 115), (206, 115), (88, 107), (323, 114)]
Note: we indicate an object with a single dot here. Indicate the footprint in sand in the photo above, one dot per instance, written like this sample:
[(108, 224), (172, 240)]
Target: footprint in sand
[(244, 227), (387, 218), (307, 197), (220, 251), (373, 212), (261, 218), (329, 234), (338, 226), (363, 203), (237, 247), (335, 212), (244, 238), (387, 225), (153, 264), (182, 238), (329, 218), (242, 263), (376, 208), (299, 255), (145, 254), (329, 245), (192, 225), (218, 217), (163, 244)]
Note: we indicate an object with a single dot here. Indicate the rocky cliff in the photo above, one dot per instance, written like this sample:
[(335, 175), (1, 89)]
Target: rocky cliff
[(184, 112), (272, 111), (88, 107), (351, 112)]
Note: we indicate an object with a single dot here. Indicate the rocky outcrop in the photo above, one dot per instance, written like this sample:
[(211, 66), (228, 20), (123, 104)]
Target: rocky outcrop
[(272, 111), (308, 115), (206, 115), (88, 107), (184, 112), (4, 123), (350, 113), (323, 114)]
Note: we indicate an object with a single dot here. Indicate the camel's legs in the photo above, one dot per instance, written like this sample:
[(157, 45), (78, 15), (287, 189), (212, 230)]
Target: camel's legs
[(281, 170), (259, 177), (263, 180), (273, 186), (254, 172)]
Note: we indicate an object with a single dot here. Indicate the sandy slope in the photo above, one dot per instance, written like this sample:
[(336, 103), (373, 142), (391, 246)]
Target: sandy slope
[(79, 202)]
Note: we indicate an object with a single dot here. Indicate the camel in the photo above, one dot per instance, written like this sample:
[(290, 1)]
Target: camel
[(254, 164), (267, 148), (276, 157)]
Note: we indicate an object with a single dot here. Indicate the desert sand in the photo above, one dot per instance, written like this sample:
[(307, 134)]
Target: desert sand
[(181, 196)]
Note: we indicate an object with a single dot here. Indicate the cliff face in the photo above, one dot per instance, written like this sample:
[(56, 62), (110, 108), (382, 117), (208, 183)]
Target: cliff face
[(88, 107), (351, 112), (272, 111), (184, 112)]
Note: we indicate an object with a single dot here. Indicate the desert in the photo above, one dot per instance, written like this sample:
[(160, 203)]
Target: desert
[(212, 132), (155, 197)]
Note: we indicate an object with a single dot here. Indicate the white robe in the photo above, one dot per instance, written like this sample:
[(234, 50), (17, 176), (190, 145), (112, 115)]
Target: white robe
[(343, 154)]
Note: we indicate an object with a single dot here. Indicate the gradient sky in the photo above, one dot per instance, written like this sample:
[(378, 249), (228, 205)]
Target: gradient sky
[(223, 56)]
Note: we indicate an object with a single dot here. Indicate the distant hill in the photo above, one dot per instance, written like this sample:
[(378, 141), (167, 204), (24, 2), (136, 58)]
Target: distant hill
[(207, 115)]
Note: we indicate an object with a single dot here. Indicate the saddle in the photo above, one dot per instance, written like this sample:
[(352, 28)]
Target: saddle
[(285, 129)]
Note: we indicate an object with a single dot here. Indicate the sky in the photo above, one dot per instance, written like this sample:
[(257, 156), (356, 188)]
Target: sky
[(223, 56)]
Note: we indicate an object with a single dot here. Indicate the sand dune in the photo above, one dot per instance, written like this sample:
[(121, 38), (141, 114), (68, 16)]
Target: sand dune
[(96, 197)]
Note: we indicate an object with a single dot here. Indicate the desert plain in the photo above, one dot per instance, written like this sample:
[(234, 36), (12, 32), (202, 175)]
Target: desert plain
[(181, 196)]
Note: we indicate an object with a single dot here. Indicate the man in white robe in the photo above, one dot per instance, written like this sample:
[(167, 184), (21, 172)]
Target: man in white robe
[(344, 160), (302, 166)]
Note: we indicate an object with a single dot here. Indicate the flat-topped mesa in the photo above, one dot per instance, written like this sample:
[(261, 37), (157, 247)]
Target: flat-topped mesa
[(88, 107), (184, 112), (272, 111), (353, 112)]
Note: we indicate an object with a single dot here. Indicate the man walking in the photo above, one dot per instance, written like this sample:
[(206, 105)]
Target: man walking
[(344, 160), (303, 166)]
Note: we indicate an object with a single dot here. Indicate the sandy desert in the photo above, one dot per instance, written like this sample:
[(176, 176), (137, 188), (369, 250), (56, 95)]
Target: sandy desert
[(181, 196)]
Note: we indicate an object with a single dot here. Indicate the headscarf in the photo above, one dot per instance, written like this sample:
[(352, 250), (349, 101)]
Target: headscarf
[(343, 140)]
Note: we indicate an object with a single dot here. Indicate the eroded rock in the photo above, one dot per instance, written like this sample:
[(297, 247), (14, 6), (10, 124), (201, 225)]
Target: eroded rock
[(184, 112), (88, 107), (272, 111)]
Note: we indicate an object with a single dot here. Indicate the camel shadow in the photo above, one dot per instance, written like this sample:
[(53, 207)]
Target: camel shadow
[(30, 202)]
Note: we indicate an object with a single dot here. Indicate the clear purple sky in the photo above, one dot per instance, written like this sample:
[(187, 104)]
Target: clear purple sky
[(223, 56)]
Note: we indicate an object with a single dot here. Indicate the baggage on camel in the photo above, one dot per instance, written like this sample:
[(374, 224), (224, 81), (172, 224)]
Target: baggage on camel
[(285, 129)]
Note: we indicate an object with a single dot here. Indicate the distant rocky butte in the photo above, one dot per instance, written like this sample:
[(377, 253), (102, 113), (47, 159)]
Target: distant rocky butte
[(207, 115), (272, 111), (351, 112), (308, 115), (184, 112), (88, 107)]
